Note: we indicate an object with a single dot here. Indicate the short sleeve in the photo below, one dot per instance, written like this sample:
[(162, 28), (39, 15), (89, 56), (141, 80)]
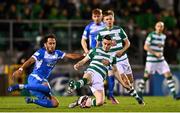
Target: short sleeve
[(92, 53), (148, 39), (60, 54), (86, 32), (38, 55), (99, 37), (114, 61), (123, 34)]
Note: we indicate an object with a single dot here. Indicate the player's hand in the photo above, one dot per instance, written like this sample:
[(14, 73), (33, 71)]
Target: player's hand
[(114, 43), (159, 55), (16, 74), (77, 66), (160, 45), (105, 62), (85, 53), (119, 53)]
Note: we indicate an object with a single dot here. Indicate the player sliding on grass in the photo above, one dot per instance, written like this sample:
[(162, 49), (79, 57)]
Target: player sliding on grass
[(155, 62), (90, 33), (120, 44), (101, 59), (45, 59)]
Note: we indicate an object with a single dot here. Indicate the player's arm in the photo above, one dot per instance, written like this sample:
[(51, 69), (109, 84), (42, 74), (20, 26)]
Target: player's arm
[(84, 45), (73, 56), (28, 63), (81, 62), (97, 43), (124, 49), (98, 40), (147, 48), (84, 38)]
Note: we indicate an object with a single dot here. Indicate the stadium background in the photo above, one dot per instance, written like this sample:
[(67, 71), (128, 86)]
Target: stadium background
[(24, 22)]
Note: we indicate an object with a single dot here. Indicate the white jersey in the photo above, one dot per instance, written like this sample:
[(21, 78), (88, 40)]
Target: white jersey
[(97, 55), (118, 35), (156, 43)]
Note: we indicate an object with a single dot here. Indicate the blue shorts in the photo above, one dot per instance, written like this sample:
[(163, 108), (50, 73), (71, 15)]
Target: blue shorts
[(40, 95)]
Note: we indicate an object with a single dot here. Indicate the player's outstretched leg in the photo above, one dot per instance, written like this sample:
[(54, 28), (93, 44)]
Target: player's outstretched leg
[(48, 103), (111, 83), (134, 94), (36, 87), (14, 88)]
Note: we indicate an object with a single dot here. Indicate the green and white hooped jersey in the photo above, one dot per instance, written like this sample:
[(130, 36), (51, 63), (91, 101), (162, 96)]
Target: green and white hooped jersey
[(97, 55), (156, 43), (118, 35)]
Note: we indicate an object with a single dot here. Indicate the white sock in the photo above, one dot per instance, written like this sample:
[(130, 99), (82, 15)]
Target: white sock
[(21, 86)]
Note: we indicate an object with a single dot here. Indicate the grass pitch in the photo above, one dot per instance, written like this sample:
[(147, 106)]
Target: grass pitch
[(127, 104)]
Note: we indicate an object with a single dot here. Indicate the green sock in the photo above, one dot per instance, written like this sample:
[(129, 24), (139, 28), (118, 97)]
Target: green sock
[(171, 85), (145, 79), (93, 102), (80, 83), (142, 84)]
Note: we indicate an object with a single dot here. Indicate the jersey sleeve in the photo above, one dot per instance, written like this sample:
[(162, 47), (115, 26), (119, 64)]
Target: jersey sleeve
[(60, 54), (99, 37), (38, 55), (114, 61), (92, 53), (86, 32), (123, 34), (148, 39)]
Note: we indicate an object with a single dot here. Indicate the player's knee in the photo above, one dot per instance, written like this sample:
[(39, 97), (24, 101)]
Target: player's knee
[(55, 104)]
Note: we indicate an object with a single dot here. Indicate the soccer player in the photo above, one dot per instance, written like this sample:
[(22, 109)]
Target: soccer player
[(96, 72), (44, 61), (119, 50), (155, 62), (90, 33)]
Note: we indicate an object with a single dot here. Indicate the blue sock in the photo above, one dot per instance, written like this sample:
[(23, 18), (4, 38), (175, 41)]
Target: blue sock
[(43, 102), (111, 85), (37, 87)]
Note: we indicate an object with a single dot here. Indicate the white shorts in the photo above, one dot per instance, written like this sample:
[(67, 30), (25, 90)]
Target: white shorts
[(124, 67), (159, 67), (97, 81)]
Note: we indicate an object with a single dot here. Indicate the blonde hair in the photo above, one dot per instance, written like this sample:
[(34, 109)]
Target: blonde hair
[(108, 12), (97, 11)]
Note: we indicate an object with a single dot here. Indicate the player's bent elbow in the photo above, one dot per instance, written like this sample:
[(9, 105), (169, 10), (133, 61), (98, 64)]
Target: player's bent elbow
[(146, 47)]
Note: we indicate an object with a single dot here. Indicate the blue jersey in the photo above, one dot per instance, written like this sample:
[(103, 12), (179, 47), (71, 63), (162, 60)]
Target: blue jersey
[(45, 62), (91, 31)]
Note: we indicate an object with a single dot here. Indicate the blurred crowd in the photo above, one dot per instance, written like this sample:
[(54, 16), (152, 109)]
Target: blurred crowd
[(138, 10), (139, 16)]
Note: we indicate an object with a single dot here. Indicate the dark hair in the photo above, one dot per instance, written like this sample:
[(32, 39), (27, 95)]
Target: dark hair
[(107, 37), (45, 39), (108, 12), (97, 11)]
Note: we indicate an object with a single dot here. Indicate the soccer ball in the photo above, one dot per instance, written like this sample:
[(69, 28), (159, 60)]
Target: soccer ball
[(84, 101)]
